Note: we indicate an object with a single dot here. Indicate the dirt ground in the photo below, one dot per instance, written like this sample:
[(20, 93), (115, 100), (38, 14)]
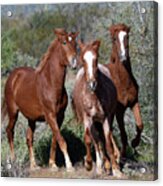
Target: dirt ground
[(81, 173)]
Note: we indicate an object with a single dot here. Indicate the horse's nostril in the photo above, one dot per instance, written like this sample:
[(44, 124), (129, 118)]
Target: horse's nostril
[(74, 63)]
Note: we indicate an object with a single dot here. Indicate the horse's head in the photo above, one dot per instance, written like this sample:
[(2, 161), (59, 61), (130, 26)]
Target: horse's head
[(68, 45), (120, 38), (89, 58)]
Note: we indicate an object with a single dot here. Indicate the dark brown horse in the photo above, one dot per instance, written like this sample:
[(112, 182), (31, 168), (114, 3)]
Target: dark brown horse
[(126, 85), (41, 96), (94, 101)]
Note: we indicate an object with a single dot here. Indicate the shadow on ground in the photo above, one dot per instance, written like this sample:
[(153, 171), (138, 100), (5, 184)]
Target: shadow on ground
[(76, 149)]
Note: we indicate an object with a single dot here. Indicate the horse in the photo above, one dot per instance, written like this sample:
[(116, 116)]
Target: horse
[(40, 95), (125, 83), (94, 102)]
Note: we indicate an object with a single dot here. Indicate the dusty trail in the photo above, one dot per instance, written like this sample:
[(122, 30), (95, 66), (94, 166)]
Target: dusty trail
[(81, 173)]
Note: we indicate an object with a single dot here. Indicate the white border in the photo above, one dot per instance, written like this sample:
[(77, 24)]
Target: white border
[(42, 182)]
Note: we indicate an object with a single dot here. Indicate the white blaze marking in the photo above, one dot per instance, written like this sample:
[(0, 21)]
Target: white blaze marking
[(69, 38), (121, 40), (88, 57)]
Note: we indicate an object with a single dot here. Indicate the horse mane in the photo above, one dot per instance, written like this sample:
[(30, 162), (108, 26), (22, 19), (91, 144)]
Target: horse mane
[(46, 57)]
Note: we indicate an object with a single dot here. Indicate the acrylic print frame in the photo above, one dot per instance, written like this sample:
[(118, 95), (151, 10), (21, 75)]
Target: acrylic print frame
[(97, 121)]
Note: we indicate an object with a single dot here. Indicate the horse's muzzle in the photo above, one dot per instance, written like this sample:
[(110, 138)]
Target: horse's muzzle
[(122, 58), (92, 85), (73, 63)]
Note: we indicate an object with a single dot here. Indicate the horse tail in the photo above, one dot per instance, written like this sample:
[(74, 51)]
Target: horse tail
[(3, 110)]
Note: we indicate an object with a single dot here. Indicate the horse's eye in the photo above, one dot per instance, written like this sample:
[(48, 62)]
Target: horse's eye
[(64, 42)]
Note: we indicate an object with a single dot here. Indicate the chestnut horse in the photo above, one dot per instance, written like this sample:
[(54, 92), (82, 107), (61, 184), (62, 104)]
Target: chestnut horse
[(94, 101), (125, 83), (40, 95)]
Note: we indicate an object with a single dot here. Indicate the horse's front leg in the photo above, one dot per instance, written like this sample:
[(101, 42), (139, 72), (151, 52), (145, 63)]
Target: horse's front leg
[(109, 147), (87, 139), (117, 153), (52, 159), (99, 158), (139, 125), (52, 120)]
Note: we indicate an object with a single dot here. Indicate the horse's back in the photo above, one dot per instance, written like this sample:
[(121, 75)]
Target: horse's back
[(16, 76), (21, 92)]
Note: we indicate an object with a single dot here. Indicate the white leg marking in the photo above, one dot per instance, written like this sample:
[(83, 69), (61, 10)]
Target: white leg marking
[(98, 160), (121, 36), (88, 57), (68, 162), (106, 128)]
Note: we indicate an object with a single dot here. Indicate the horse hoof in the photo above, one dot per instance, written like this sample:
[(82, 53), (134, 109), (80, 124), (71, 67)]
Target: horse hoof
[(54, 167), (34, 168), (70, 169), (99, 171), (107, 167), (88, 165), (117, 173)]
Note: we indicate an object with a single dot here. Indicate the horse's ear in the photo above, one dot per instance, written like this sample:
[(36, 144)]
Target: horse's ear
[(76, 34), (59, 32), (96, 44), (128, 29), (81, 44)]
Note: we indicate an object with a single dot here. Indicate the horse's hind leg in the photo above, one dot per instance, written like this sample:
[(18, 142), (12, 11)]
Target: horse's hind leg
[(115, 147), (139, 123), (30, 133), (121, 124), (13, 114)]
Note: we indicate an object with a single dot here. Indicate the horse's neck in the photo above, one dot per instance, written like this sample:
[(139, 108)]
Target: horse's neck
[(114, 55), (54, 70), (115, 59)]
